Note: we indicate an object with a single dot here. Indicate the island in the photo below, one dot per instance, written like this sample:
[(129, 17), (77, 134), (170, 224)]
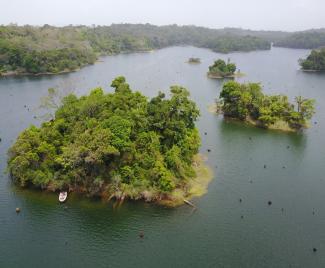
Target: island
[(315, 61), (116, 146), (194, 60), (220, 69), (247, 103)]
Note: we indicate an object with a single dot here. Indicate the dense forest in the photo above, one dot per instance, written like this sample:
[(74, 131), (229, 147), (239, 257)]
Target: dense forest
[(315, 61), (221, 69), (306, 39), (247, 102), (47, 49), (116, 145)]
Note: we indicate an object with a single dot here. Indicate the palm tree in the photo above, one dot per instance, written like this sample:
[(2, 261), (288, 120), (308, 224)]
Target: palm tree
[(299, 100)]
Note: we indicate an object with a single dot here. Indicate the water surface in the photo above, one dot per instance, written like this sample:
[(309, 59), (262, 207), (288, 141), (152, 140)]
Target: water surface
[(223, 232)]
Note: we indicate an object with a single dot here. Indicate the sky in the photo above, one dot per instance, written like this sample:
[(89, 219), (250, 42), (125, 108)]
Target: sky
[(287, 15)]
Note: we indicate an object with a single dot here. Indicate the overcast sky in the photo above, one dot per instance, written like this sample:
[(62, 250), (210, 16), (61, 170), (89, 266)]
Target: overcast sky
[(290, 15)]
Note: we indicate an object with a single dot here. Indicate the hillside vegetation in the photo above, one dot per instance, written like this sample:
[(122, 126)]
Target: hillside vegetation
[(47, 49), (307, 39), (50, 49)]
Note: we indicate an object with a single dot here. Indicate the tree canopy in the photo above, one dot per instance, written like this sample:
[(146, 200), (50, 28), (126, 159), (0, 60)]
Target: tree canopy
[(222, 69), (111, 144), (306, 39), (315, 61), (247, 102)]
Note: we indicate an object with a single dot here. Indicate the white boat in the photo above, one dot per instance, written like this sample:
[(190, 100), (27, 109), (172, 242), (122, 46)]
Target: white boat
[(63, 196)]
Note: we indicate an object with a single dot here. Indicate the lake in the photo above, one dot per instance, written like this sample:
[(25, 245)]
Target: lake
[(222, 232)]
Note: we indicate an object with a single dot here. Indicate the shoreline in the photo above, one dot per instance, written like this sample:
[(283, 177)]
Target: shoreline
[(17, 74), (98, 60), (215, 76), (312, 71), (195, 187)]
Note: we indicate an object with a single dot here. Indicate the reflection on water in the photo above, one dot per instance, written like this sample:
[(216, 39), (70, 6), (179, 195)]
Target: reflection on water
[(233, 129)]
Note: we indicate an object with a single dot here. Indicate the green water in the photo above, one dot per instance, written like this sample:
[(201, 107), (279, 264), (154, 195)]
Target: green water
[(222, 232)]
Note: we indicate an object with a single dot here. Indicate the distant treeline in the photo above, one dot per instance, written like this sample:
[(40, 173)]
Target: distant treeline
[(28, 49), (48, 49), (307, 39)]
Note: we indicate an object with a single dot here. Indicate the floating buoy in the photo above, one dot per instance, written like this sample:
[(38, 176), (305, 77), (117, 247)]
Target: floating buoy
[(17, 210)]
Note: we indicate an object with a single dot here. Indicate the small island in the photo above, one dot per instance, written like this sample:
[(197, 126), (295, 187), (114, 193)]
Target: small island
[(220, 69), (194, 60), (116, 146), (247, 102), (314, 62)]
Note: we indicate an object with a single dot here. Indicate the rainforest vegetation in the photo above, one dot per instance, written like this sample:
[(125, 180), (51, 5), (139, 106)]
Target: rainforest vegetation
[(315, 61), (48, 49), (306, 39), (114, 145), (247, 102), (221, 69)]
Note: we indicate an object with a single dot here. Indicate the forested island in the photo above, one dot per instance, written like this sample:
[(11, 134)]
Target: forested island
[(315, 61), (117, 145), (221, 69), (247, 102), (48, 49)]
